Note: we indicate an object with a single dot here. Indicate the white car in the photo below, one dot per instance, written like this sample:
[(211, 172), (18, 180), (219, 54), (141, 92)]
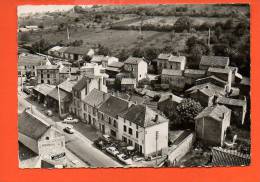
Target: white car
[(69, 130), (123, 158), (112, 150), (69, 119)]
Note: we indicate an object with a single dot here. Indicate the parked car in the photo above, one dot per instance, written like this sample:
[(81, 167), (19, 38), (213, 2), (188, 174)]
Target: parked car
[(69, 130), (125, 159), (49, 113), (107, 138), (70, 119), (112, 150)]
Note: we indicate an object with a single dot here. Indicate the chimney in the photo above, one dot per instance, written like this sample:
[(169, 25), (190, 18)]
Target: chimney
[(170, 96)]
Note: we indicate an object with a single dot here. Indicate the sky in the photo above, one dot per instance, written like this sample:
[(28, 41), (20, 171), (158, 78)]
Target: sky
[(41, 8)]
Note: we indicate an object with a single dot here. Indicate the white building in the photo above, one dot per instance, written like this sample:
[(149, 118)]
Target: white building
[(137, 66)]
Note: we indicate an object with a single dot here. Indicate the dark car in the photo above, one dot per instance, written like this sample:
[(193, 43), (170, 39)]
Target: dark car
[(101, 144)]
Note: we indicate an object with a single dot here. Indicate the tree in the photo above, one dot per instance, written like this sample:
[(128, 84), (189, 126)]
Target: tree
[(123, 55), (228, 24), (187, 110), (138, 52), (151, 53), (218, 31), (40, 46), (183, 23), (241, 29), (102, 50)]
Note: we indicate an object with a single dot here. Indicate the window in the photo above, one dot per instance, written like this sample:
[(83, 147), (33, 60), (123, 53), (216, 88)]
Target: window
[(124, 128), (85, 107), (130, 142), (48, 75), (42, 75), (130, 123), (130, 131), (125, 139), (136, 134), (47, 138), (42, 81), (115, 123), (24, 67), (109, 120), (113, 133), (102, 116), (136, 127)]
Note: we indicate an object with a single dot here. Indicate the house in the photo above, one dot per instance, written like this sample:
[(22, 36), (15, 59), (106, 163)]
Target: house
[(114, 68), (128, 84), (213, 61), (216, 89), (61, 52), (211, 124), (236, 77), (181, 143), (27, 64), (168, 104), (54, 51), (91, 104), (108, 60), (60, 98), (97, 59), (224, 74), (77, 53), (205, 96), (238, 108), (66, 72), (143, 128), (137, 66), (108, 115), (226, 157), (40, 137), (168, 61), (41, 91), (193, 74), (174, 78), (94, 69), (48, 74), (82, 88)]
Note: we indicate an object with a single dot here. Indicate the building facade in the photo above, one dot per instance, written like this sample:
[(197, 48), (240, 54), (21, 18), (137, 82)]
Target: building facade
[(137, 66), (48, 74)]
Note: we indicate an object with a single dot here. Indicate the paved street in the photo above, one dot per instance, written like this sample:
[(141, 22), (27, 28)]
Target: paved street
[(78, 144)]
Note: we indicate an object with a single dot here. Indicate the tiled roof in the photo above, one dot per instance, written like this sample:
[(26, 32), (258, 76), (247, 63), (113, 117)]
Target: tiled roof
[(136, 99), (77, 50), (219, 70), (116, 64), (178, 59), (216, 112), (171, 96), (172, 72), (64, 96), (214, 61), (164, 56), (97, 59), (128, 81), (211, 79), (229, 101), (81, 83), (31, 59), (44, 88), (72, 70), (63, 49), (225, 157), (67, 85), (55, 48), (133, 60), (113, 106), (207, 91), (31, 126), (95, 98), (215, 88), (47, 67), (194, 72), (143, 116)]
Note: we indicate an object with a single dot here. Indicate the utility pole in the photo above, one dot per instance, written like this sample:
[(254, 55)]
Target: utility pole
[(68, 33), (209, 38), (156, 137), (59, 100), (21, 80)]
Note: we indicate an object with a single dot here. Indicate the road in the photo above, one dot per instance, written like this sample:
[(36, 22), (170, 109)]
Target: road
[(76, 143)]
